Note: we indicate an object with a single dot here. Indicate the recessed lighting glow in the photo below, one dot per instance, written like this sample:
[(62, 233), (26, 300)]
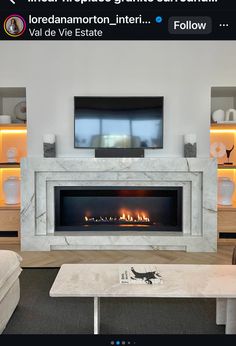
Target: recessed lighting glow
[(12, 131), (223, 131)]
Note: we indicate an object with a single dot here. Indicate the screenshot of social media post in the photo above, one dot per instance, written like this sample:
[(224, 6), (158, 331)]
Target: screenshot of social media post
[(117, 170)]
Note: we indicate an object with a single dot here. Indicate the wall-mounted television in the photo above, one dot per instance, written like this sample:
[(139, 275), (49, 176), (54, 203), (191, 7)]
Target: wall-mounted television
[(118, 122)]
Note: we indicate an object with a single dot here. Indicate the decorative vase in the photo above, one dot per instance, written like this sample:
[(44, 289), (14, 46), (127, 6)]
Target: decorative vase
[(11, 189), (230, 115), (11, 155), (218, 115), (225, 191)]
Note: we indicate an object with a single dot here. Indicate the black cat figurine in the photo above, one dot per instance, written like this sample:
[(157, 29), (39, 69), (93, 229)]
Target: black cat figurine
[(228, 152)]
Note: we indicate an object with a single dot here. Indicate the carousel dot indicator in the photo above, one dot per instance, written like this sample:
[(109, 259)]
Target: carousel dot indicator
[(159, 19)]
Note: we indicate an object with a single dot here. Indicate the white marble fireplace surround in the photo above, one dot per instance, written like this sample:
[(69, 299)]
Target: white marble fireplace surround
[(197, 176)]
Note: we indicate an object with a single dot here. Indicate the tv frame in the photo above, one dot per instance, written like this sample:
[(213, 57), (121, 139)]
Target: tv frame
[(121, 152)]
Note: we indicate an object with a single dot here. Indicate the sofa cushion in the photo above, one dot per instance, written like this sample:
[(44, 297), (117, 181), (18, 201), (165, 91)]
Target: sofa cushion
[(8, 304), (9, 266), (9, 282)]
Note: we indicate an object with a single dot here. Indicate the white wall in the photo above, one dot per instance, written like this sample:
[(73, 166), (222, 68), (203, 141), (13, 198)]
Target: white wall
[(54, 72)]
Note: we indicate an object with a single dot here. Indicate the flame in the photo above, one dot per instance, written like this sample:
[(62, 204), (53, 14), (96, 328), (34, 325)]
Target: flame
[(126, 217)]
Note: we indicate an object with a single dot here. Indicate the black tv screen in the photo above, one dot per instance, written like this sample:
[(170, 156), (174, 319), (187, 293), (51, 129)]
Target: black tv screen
[(118, 122)]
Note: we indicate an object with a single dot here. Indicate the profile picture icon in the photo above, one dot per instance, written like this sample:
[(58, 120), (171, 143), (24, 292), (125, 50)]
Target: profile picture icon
[(14, 25)]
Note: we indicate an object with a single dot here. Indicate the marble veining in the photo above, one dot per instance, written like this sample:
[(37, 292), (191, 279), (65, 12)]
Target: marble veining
[(197, 176)]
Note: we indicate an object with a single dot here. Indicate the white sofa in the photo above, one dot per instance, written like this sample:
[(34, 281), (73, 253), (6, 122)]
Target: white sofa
[(9, 285)]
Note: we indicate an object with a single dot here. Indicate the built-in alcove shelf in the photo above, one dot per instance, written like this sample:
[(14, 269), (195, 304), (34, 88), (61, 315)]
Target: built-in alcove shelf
[(224, 132), (228, 207), (223, 126), (13, 126), (226, 224), (12, 135), (4, 206), (226, 166), (9, 165)]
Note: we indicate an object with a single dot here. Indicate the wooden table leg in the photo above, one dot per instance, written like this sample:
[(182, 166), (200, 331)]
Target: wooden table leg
[(230, 327), (96, 315)]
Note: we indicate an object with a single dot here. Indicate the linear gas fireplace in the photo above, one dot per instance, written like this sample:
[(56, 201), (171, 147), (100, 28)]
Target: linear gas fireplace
[(118, 209)]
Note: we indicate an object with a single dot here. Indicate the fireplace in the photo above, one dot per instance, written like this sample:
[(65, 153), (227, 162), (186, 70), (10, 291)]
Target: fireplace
[(118, 209), (192, 195)]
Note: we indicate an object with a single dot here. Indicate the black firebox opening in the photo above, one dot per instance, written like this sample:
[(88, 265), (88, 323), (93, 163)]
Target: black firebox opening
[(118, 209)]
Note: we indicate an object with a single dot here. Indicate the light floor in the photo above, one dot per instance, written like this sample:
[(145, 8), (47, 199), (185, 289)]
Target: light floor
[(56, 258)]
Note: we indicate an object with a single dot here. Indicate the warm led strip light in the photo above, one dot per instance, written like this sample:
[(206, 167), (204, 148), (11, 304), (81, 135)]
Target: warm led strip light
[(227, 169), (12, 131), (223, 131)]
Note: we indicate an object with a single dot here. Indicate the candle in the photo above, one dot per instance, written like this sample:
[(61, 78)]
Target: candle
[(49, 145), (190, 145), (49, 138), (190, 138)]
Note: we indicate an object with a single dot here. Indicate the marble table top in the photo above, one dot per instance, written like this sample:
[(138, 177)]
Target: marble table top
[(177, 280)]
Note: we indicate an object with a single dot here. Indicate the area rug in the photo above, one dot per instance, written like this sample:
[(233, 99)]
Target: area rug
[(37, 313)]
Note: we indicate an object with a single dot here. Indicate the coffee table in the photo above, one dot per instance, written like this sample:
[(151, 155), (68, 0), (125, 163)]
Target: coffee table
[(179, 281)]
